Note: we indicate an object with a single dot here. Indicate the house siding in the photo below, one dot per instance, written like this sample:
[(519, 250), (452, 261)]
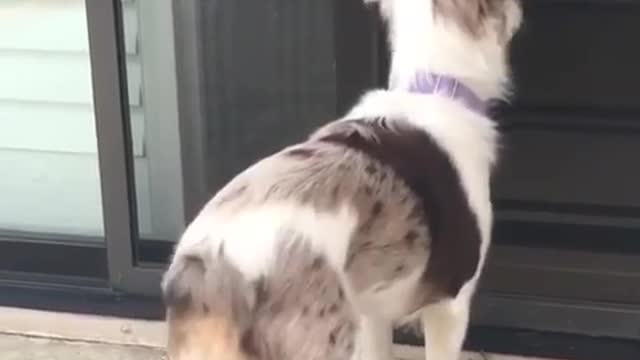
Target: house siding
[(48, 147)]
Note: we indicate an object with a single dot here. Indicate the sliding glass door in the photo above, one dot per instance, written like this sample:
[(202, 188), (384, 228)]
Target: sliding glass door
[(120, 118)]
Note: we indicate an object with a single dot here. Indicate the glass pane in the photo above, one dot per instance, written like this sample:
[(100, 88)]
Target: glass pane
[(151, 72), (50, 181)]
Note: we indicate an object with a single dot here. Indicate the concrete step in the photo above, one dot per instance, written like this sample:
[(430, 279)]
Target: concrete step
[(41, 335), (14, 347)]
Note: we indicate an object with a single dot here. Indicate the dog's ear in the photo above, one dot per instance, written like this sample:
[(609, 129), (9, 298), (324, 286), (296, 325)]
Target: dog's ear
[(512, 18), (473, 15)]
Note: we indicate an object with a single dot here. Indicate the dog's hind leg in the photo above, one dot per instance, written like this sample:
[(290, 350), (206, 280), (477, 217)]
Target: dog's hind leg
[(374, 340), (445, 326)]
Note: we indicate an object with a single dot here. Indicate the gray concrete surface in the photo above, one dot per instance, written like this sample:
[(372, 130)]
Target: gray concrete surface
[(31, 335), (14, 347), (29, 348)]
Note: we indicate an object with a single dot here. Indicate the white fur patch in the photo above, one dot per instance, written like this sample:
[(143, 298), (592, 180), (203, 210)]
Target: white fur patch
[(250, 236), (392, 303)]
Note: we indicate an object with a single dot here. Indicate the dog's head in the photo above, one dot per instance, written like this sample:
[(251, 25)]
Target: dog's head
[(466, 38), (209, 309), (477, 18)]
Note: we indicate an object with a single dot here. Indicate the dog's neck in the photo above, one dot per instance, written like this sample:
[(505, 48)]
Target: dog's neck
[(424, 43), (446, 86)]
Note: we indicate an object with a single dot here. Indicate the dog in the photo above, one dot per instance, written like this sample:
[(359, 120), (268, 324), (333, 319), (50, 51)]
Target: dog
[(319, 250)]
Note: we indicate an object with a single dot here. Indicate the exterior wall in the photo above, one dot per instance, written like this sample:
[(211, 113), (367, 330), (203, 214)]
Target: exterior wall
[(48, 148)]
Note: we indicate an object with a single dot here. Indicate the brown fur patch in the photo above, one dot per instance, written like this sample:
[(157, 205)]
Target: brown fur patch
[(194, 335), (209, 308)]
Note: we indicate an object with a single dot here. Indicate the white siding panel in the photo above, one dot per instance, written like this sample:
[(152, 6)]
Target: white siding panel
[(55, 77), (59, 193), (55, 25), (57, 127), (50, 180)]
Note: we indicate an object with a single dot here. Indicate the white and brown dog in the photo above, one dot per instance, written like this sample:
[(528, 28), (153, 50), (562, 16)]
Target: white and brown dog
[(315, 252)]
